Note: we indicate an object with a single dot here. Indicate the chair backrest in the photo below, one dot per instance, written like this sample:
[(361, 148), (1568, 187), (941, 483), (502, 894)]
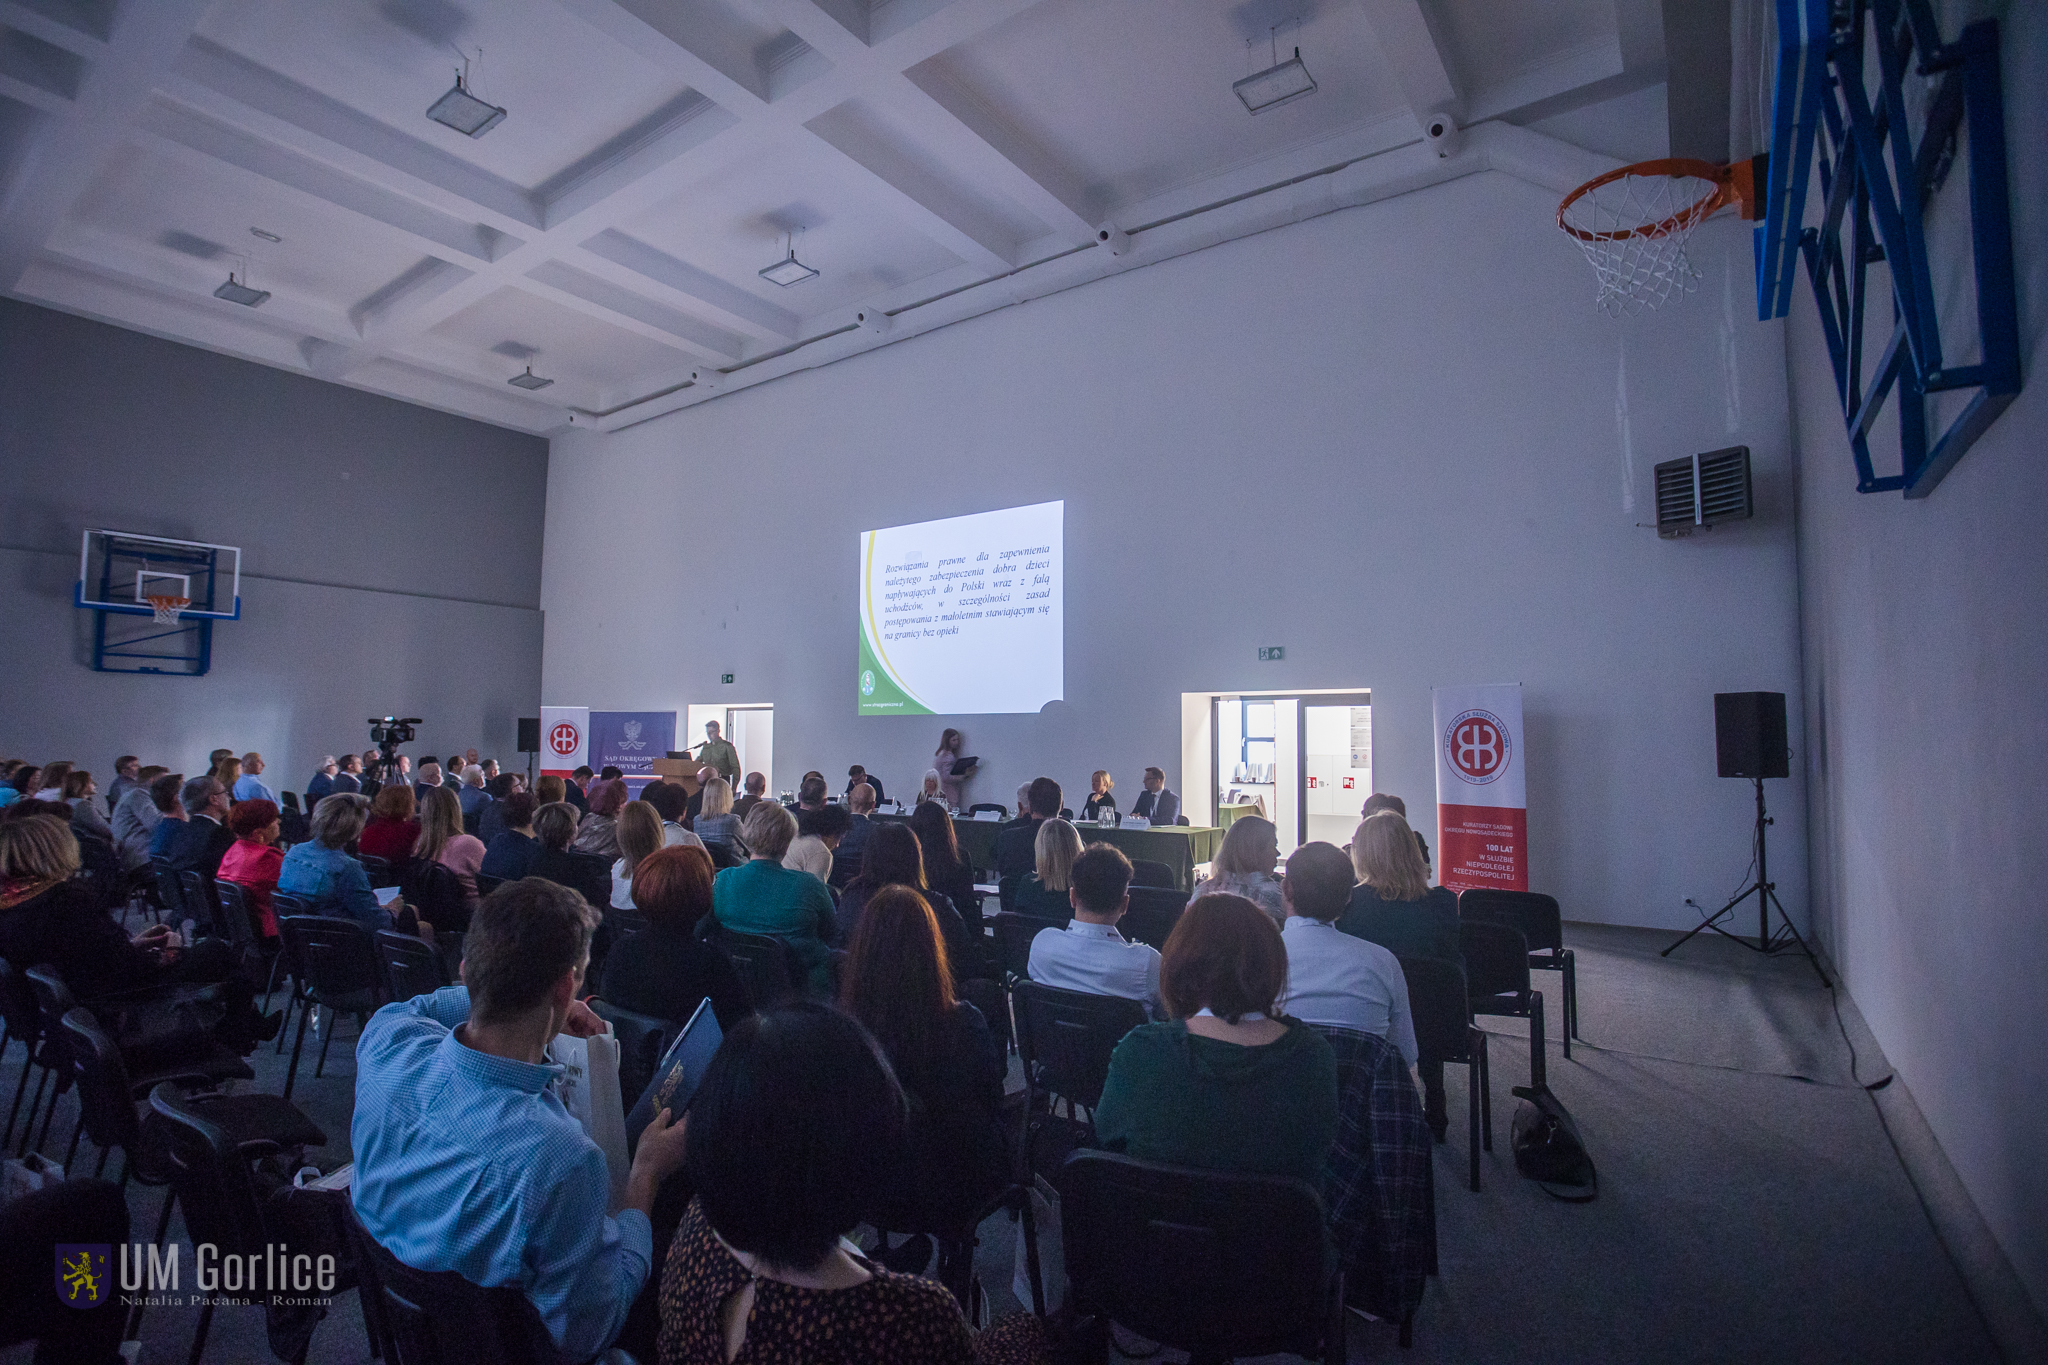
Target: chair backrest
[(234, 917), (1014, 933), (1152, 914), (1496, 959), (486, 885), (100, 870), (1440, 1009), (207, 1172), (291, 801), (1065, 1038), (330, 956), (284, 903), (1535, 914), (845, 867), (106, 1106), (439, 1318), (378, 870), (767, 966), (981, 806), (1218, 1264), (53, 1000), (411, 965), (1146, 872), (197, 891), (18, 1007), (994, 1003), (643, 1039), (169, 890), (723, 854), (436, 893)]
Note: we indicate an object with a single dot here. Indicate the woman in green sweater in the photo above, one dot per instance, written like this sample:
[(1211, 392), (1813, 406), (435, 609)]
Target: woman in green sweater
[(761, 896), (1230, 1084)]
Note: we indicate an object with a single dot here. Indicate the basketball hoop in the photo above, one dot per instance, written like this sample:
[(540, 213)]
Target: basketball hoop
[(1633, 224), (166, 607)]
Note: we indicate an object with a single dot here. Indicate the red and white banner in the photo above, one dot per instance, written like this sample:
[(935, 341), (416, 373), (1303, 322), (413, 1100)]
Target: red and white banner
[(1482, 805), (564, 739)]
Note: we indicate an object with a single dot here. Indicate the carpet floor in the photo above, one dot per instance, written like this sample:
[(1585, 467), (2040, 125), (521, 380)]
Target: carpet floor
[(1751, 1206)]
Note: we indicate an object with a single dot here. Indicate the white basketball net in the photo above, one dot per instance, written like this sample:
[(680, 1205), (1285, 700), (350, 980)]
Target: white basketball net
[(167, 608), (1634, 230)]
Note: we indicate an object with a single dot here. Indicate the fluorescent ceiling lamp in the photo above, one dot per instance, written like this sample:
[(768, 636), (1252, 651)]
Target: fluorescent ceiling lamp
[(464, 112), (235, 292), (529, 380), (788, 271), (1275, 86)]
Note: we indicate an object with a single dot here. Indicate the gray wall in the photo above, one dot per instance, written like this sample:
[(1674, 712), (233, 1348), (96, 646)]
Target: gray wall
[(390, 554), (1926, 660)]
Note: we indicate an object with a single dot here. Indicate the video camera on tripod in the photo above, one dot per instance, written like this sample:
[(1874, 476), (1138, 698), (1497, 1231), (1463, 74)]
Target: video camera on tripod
[(387, 733)]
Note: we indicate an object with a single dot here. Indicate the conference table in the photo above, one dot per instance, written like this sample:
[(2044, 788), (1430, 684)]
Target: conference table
[(1179, 847)]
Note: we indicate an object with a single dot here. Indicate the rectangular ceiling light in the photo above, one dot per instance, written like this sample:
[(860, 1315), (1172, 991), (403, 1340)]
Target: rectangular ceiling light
[(788, 271), (235, 292), (528, 381), (1275, 86), (464, 112)]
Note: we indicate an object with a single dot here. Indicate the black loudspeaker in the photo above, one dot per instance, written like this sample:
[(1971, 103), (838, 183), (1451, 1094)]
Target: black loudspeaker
[(529, 734), (1749, 734)]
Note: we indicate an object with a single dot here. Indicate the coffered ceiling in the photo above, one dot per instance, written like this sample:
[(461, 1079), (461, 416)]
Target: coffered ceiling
[(929, 158)]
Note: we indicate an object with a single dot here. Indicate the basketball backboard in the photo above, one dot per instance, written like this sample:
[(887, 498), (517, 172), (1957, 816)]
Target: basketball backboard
[(118, 571)]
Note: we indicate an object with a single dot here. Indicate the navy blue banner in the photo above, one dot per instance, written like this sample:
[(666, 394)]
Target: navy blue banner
[(631, 741)]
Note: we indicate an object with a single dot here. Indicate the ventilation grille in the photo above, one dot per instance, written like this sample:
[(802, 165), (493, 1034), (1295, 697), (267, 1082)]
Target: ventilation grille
[(1702, 491)]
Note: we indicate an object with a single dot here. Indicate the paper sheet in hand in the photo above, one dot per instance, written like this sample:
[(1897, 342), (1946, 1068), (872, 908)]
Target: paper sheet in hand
[(681, 1069), (589, 1089)]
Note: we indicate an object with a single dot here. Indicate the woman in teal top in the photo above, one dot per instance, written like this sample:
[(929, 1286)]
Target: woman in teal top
[(761, 896), (1230, 1084)]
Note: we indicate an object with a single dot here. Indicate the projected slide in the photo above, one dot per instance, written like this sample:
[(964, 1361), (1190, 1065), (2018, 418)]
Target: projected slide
[(962, 616)]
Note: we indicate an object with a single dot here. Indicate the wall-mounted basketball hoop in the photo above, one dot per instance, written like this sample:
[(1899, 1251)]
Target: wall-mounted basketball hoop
[(1633, 224), (154, 600)]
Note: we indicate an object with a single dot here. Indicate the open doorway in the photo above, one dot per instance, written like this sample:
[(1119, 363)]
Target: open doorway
[(749, 725), (1301, 759)]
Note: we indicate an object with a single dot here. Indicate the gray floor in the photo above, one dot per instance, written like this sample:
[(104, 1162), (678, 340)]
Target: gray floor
[(1751, 1206)]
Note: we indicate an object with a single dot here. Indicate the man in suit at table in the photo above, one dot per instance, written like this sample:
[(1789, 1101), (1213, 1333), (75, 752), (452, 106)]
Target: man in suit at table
[(1156, 803)]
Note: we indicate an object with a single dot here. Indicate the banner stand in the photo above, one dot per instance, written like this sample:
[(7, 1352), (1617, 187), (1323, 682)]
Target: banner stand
[(1482, 816)]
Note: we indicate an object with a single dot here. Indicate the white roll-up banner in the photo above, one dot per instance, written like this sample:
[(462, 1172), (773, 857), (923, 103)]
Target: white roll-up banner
[(564, 739), (1482, 806)]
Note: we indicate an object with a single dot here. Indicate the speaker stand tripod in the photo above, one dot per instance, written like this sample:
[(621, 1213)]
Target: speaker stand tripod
[(1766, 892)]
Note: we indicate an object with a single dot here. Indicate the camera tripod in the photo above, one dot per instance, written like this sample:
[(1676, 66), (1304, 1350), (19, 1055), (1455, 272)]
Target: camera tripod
[(1766, 892)]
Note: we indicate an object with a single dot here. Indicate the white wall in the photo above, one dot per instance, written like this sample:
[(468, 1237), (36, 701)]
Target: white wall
[(1414, 405), (1926, 664)]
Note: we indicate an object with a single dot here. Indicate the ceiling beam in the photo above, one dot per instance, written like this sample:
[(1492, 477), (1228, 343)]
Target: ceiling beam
[(1414, 56)]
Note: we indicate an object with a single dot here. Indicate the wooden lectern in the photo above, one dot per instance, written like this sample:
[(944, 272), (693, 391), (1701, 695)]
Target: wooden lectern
[(681, 771)]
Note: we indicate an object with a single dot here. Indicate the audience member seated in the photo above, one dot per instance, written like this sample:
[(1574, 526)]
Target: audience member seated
[(665, 970), (819, 830), (47, 917), (1156, 803), (857, 776), (555, 824), (227, 770), (1229, 1084), (490, 819), (163, 795), (672, 805), (350, 778), (249, 786), (895, 858), (860, 805), (443, 841), (127, 777), (577, 788), (694, 806), (598, 833), (474, 797), (254, 860), (1334, 979), (550, 789), (393, 826), (136, 814), (718, 819), (757, 789), (898, 981), (1017, 845), (1380, 801), (320, 873), (199, 844), (810, 793), (323, 781), (1089, 954), (1044, 891), (51, 786), (1243, 866), (946, 871), (430, 776), (1099, 800), (511, 851), (758, 1271), (25, 780), (464, 1158), (81, 793), (932, 790), (639, 833), (761, 896)]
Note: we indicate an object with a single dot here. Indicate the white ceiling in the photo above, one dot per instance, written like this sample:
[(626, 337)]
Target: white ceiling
[(658, 153)]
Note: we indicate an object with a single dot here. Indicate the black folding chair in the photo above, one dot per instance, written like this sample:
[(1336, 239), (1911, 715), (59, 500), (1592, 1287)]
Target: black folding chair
[(1145, 872), (244, 930), (435, 893), (767, 965), (378, 870), (1014, 933), (283, 903), (1542, 924), (412, 967), (435, 1317), (1064, 1040), (1444, 1033), (197, 889), (1152, 914), (24, 1025), (333, 963), (1218, 1265), (643, 1041), (485, 885), (1497, 980), (170, 894)]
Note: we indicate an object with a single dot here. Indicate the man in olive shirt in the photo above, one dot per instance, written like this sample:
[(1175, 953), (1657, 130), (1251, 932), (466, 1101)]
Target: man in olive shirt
[(718, 753)]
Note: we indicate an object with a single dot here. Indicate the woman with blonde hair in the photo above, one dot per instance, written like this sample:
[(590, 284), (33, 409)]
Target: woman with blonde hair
[(1099, 799), (1243, 866), (1043, 892), (715, 822), (640, 832), (443, 841)]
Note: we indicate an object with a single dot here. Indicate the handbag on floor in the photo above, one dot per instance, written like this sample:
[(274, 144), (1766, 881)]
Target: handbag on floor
[(1548, 1148)]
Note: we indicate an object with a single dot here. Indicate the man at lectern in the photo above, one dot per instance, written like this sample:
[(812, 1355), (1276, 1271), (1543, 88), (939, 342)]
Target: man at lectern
[(718, 753)]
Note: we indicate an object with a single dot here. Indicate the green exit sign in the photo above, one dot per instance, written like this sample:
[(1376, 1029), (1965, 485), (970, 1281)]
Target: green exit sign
[(1272, 654), (725, 677)]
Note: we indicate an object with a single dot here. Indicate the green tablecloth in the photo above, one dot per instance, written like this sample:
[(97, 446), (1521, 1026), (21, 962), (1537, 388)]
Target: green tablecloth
[(1180, 847)]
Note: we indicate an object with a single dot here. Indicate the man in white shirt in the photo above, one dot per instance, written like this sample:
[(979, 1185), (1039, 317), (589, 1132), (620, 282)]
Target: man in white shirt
[(1335, 979), (1089, 954)]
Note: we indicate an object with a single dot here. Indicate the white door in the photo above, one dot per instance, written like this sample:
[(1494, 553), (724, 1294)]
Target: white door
[(752, 730)]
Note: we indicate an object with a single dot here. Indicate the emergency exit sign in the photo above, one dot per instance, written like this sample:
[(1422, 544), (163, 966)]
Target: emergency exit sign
[(1272, 654), (725, 677)]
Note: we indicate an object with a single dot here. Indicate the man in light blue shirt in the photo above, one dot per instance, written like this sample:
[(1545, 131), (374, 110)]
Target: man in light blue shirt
[(247, 788), (1089, 954), (466, 1159), (1333, 978)]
